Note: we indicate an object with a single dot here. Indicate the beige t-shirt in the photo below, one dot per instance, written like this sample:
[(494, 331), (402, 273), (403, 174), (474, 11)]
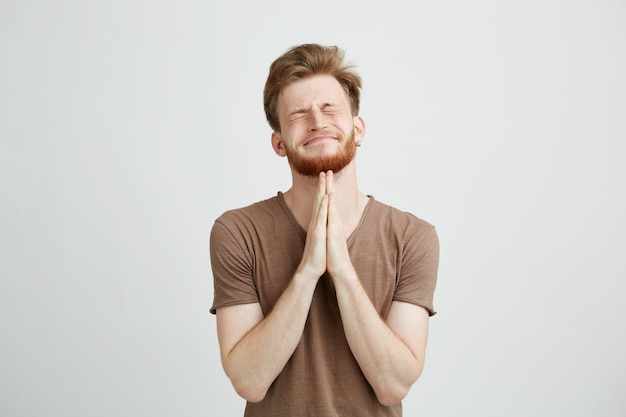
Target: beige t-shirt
[(254, 253)]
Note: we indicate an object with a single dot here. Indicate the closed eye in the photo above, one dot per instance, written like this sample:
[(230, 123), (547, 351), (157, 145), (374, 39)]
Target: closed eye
[(330, 109), (298, 115)]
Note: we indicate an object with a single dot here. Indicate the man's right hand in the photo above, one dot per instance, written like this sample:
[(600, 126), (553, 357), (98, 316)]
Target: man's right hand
[(256, 347)]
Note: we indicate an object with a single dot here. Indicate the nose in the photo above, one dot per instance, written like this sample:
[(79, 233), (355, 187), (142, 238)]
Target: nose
[(317, 120)]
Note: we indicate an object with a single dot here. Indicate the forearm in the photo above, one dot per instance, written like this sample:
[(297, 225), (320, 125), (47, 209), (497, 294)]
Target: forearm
[(257, 359), (387, 362)]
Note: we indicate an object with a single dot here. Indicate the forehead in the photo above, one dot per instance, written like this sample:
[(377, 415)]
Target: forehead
[(318, 89)]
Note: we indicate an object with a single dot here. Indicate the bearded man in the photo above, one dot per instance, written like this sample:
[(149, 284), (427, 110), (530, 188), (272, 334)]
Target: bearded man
[(322, 293)]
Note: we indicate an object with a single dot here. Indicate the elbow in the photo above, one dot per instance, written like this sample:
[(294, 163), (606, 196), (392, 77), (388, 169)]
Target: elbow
[(391, 397), (392, 393), (251, 392), (245, 385), (251, 395)]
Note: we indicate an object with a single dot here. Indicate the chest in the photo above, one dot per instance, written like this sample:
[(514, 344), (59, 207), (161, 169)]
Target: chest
[(375, 260)]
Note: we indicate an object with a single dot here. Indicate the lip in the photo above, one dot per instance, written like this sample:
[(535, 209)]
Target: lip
[(318, 139)]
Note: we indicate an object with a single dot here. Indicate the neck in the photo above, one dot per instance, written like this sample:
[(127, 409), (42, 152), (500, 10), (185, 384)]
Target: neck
[(350, 201)]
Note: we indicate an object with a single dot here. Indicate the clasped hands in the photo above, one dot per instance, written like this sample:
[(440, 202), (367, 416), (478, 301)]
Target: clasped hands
[(326, 248)]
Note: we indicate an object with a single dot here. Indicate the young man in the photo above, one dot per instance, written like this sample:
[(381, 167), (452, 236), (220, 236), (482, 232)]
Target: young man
[(322, 293)]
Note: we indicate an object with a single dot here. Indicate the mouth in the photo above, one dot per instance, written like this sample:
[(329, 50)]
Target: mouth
[(319, 139)]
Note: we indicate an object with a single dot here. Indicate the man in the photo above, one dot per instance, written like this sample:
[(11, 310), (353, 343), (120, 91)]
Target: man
[(322, 294)]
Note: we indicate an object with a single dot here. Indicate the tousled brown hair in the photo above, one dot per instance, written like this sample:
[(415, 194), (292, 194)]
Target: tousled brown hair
[(303, 61)]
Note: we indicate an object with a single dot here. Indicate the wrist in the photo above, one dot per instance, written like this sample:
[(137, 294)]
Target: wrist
[(306, 275), (345, 274)]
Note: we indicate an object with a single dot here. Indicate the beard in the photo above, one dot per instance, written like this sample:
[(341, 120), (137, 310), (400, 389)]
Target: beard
[(312, 166)]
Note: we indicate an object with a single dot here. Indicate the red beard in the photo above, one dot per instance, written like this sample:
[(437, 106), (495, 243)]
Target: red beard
[(311, 167)]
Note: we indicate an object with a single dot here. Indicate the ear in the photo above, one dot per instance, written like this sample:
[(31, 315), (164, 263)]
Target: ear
[(277, 144), (359, 129)]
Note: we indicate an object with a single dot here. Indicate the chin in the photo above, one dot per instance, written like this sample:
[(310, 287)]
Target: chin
[(312, 166)]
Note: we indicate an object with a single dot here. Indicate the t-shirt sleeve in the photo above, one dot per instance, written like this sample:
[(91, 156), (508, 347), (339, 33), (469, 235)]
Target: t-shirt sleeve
[(233, 268), (418, 274)]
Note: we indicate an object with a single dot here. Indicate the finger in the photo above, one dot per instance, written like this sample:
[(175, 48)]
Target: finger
[(321, 184), (321, 189), (336, 247), (314, 256), (319, 194), (323, 210), (330, 192), (330, 182), (335, 224), (319, 222), (333, 221), (320, 210)]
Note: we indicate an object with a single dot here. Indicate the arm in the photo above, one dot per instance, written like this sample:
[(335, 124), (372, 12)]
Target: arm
[(390, 353), (254, 349)]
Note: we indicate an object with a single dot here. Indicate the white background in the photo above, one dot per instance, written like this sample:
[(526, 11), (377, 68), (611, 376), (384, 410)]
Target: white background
[(127, 127)]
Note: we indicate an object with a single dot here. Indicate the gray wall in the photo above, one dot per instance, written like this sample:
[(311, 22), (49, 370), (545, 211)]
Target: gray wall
[(127, 127)]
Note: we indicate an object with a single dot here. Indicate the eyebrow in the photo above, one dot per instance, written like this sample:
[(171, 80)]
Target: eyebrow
[(300, 110)]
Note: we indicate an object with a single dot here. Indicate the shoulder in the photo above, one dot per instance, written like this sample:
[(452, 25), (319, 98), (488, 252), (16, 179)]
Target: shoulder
[(250, 215), (398, 221), (235, 230), (260, 223)]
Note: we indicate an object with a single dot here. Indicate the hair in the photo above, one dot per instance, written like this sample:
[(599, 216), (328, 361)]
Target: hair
[(304, 61)]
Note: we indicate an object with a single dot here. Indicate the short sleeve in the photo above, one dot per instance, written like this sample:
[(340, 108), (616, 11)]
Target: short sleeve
[(418, 274), (233, 268)]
